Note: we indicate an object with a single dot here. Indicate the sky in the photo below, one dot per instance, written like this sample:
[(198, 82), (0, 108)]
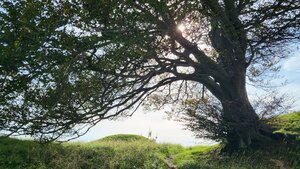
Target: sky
[(168, 131)]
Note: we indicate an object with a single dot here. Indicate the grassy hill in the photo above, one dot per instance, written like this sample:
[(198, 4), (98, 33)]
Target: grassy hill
[(288, 124), (132, 151), (118, 151)]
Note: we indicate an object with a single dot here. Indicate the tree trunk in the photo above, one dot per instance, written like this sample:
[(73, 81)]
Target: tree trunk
[(242, 122), (244, 127), (245, 130)]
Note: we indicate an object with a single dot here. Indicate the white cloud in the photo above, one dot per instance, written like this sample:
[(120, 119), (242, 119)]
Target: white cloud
[(293, 63), (167, 131), (172, 131), (293, 91)]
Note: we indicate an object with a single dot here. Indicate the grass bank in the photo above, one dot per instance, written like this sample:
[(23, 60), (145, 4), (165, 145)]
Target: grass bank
[(132, 151)]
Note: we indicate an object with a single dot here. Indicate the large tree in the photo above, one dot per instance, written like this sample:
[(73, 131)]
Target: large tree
[(66, 65)]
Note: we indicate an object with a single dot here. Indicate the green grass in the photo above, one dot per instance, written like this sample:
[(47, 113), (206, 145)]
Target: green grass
[(170, 149), (126, 151), (208, 157), (142, 153), (288, 123), (192, 154), (26, 154), (264, 158), (106, 153), (124, 137)]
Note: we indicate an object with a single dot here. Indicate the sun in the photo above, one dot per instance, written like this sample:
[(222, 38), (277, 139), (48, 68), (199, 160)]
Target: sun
[(181, 27)]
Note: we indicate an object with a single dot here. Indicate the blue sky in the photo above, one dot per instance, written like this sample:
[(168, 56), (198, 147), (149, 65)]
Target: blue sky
[(291, 72), (173, 132)]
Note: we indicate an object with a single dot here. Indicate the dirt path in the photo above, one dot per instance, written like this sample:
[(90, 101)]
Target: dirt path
[(170, 163)]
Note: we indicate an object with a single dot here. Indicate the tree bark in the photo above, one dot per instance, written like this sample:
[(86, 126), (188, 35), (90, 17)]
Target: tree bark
[(242, 122), (244, 127)]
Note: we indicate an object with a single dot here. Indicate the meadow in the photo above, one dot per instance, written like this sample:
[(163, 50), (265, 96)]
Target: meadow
[(127, 151)]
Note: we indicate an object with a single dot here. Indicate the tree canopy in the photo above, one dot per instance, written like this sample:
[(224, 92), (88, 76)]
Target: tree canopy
[(66, 65)]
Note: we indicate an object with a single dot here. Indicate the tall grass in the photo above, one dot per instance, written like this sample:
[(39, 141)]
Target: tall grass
[(137, 152), (102, 154), (120, 153)]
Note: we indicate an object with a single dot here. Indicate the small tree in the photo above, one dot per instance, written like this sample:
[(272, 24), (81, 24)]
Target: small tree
[(67, 64)]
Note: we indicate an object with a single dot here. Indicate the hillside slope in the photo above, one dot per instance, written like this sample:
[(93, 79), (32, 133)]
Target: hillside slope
[(132, 151)]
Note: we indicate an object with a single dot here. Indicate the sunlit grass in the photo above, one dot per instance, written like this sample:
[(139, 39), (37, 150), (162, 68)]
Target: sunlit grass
[(131, 151), (289, 123)]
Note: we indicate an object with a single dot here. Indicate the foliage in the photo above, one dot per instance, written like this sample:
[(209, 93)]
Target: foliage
[(66, 65), (204, 117)]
